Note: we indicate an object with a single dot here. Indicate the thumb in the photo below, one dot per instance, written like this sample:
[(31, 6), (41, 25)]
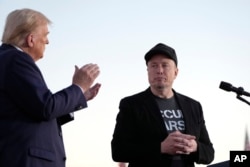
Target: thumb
[(76, 68)]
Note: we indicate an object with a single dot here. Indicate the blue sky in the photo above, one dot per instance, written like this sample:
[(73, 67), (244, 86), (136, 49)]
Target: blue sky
[(211, 39)]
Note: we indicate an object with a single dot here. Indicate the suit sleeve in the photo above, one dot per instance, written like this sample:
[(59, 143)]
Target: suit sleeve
[(205, 150), (65, 118), (26, 87)]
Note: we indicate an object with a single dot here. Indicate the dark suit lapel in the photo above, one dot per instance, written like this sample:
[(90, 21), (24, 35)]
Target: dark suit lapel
[(152, 108)]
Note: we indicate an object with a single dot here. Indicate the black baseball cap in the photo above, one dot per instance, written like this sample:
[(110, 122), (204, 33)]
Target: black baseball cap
[(161, 48)]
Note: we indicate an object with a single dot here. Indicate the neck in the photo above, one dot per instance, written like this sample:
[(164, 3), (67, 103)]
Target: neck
[(18, 48), (162, 92)]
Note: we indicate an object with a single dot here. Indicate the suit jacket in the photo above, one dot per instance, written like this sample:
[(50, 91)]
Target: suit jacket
[(140, 129), (30, 115)]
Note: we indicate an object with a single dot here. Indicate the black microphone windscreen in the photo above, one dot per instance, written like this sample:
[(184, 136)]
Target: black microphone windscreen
[(226, 86)]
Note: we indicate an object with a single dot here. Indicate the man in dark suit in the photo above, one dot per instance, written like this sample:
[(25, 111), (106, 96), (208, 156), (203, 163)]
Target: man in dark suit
[(30, 114), (160, 127)]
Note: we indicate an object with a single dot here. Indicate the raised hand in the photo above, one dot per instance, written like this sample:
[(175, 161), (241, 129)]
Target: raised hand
[(86, 75), (92, 92)]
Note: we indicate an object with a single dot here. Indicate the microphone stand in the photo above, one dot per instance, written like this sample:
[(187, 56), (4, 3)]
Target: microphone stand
[(239, 93), (242, 99)]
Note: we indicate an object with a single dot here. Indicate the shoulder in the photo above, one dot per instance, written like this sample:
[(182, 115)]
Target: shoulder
[(186, 98), (12, 59), (10, 53), (189, 103), (138, 96)]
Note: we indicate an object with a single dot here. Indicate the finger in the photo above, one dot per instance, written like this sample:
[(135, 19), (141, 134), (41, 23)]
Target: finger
[(179, 139), (182, 135), (93, 91), (96, 87), (89, 66), (76, 68), (96, 74), (182, 152), (189, 137), (176, 133), (93, 69), (182, 149), (185, 136)]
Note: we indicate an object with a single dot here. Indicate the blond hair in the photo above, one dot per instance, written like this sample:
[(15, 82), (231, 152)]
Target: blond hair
[(20, 23)]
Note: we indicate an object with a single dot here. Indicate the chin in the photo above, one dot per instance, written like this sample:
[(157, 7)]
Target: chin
[(41, 57), (160, 87)]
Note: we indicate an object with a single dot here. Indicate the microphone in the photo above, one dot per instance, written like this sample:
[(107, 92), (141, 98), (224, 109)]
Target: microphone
[(228, 87)]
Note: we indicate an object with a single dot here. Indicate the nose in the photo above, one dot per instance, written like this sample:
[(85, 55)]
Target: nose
[(160, 70)]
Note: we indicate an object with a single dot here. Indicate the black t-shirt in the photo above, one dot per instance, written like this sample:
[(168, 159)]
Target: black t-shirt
[(171, 114), (173, 119)]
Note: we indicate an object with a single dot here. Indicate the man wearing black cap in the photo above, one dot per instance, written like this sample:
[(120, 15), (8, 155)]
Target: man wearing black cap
[(160, 127)]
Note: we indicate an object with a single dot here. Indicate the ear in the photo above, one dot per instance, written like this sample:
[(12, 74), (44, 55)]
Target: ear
[(176, 72), (30, 40)]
